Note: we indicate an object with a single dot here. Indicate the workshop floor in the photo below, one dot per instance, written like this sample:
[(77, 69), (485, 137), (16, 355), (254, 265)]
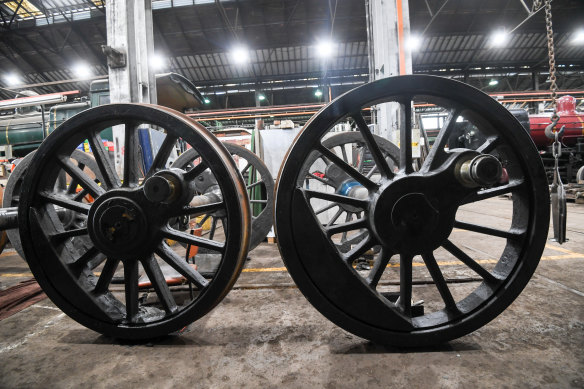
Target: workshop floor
[(266, 334)]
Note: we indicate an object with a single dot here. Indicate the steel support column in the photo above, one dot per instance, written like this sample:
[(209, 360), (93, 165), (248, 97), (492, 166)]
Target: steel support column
[(388, 27), (129, 31)]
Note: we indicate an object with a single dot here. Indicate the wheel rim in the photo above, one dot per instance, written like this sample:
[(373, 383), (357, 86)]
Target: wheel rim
[(351, 299), (126, 228), (257, 178)]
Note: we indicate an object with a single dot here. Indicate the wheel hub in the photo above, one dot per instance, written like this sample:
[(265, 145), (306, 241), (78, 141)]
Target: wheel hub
[(118, 226), (409, 218)]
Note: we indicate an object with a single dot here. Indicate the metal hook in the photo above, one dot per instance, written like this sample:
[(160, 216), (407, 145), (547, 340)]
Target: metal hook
[(549, 130)]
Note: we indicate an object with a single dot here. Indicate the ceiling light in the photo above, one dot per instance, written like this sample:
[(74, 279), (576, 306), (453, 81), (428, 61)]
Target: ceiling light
[(240, 55), (578, 38), (499, 38), (157, 62), (261, 97), (12, 79), (493, 82), (318, 93), (325, 48), (82, 70), (207, 101), (415, 42)]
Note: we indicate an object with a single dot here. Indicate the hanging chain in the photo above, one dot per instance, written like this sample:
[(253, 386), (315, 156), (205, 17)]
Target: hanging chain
[(552, 56)]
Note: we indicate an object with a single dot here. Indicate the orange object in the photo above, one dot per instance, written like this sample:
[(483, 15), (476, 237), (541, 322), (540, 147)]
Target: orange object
[(193, 250), (169, 281), (400, 37)]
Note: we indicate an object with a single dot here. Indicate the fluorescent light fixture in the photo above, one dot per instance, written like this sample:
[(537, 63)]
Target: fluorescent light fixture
[(415, 42), (261, 97), (158, 62), (578, 38), (499, 38), (318, 93), (207, 101), (493, 82), (12, 79), (81, 70), (240, 55), (325, 48)]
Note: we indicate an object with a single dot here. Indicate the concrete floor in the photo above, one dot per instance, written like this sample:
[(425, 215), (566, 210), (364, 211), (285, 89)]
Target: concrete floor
[(266, 334)]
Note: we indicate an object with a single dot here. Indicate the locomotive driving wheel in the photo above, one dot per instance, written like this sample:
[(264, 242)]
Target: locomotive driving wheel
[(434, 278), (128, 224), (258, 181)]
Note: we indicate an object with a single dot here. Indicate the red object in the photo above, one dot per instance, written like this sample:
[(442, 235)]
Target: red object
[(569, 117)]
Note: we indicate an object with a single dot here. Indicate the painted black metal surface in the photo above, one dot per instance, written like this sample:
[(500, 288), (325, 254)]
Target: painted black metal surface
[(411, 213), (126, 231), (255, 175), (11, 198)]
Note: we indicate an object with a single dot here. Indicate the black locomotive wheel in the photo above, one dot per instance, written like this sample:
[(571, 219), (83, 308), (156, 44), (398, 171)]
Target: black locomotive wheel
[(71, 219), (128, 224), (417, 217), (258, 180)]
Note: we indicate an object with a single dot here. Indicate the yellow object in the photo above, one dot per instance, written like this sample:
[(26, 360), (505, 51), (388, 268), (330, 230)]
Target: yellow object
[(207, 225)]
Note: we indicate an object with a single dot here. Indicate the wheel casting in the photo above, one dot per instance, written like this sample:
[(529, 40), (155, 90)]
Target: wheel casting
[(260, 191), (419, 215), (127, 224)]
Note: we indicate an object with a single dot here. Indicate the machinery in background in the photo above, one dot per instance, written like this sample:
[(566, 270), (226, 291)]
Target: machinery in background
[(572, 157), (22, 129)]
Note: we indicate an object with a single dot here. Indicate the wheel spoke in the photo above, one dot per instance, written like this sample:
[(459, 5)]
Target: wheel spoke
[(104, 163), (159, 284), (372, 171), (255, 184), (350, 170), (336, 198), (179, 264), (131, 148), (437, 154), (325, 208), (163, 154), (359, 249), (72, 187), (66, 202), (344, 153), (335, 217), (80, 195), (213, 228), (107, 273), (490, 144), (80, 264), (131, 289), (493, 192), (438, 278), (347, 226), (405, 284), (512, 234), (194, 240), (379, 267), (373, 147), (80, 176), (471, 263), (405, 148), (258, 201), (61, 236), (199, 210), (195, 171)]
